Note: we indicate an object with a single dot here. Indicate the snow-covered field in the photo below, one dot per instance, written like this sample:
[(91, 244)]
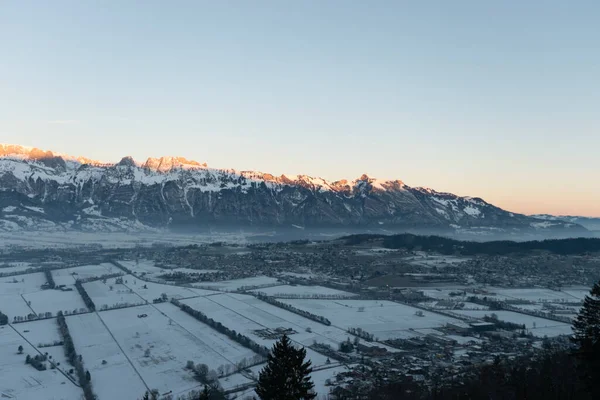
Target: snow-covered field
[(147, 346), (17, 267), (109, 294), (150, 291), (577, 292), (301, 291), (227, 348), (533, 294), (384, 319), (68, 276), (538, 326), (116, 379), (41, 334), (21, 381), (54, 301), (236, 284), (159, 349), (143, 268), (21, 284), (12, 290), (246, 314)]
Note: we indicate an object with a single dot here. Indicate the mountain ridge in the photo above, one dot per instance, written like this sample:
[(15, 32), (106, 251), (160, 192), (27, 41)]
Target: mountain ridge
[(48, 190)]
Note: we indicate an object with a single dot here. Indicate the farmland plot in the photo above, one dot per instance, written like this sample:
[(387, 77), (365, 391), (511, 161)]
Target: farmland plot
[(68, 276), (384, 319), (13, 305), (246, 314), (271, 316), (159, 349), (538, 326), (227, 348), (227, 317), (110, 294), (143, 268), (150, 291), (287, 290), (43, 334), (111, 380), (22, 284), (533, 294), (13, 288), (17, 267), (577, 293), (54, 301), (236, 284), (21, 381)]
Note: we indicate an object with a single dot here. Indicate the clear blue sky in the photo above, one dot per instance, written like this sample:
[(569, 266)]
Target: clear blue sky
[(497, 99)]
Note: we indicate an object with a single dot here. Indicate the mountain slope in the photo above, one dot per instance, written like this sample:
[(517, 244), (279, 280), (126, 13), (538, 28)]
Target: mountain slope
[(590, 223), (43, 190)]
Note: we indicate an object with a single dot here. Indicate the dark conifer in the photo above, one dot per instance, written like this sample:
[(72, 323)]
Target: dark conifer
[(286, 375), (586, 334)]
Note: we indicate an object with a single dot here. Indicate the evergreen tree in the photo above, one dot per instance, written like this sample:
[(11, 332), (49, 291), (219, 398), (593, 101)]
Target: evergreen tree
[(586, 334), (286, 375)]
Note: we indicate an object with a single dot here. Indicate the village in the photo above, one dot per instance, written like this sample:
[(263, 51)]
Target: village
[(150, 315)]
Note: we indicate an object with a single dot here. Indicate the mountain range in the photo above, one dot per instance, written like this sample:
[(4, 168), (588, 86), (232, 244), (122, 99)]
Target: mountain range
[(49, 191)]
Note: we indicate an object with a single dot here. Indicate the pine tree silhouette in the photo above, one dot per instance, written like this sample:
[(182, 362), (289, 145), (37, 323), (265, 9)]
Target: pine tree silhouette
[(586, 334), (286, 375)]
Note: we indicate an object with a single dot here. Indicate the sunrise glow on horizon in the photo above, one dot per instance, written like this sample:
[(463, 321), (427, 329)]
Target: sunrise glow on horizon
[(492, 100)]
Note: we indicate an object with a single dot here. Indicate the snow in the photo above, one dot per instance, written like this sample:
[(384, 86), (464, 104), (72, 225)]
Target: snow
[(246, 314), (67, 276), (472, 211), (21, 284), (545, 224), (93, 210), (117, 379), (102, 295), (301, 290), (152, 290), (231, 351), (147, 269), (533, 294), (35, 209), (41, 334), (384, 319), (236, 284), (171, 346), (9, 209), (55, 300), (21, 381), (536, 325), (16, 267)]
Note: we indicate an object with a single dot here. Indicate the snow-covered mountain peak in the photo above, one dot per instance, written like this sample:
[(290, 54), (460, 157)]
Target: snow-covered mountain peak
[(165, 164), (167, 191), (16, 151)]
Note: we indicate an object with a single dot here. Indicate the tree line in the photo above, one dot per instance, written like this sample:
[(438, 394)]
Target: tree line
[(84, 295), (288, 307), (499, 247), (3, 318), (219, 327), (75, 360), (49, 278)]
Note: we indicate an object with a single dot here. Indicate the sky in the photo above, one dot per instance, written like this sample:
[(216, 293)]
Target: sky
[(494, 99)]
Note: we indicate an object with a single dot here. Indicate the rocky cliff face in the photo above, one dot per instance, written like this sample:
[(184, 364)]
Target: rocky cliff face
[(43, 190)]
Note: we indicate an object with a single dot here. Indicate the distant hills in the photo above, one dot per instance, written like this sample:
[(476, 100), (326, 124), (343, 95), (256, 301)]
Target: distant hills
[(593, 224), (48, 191), (450, 246)]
